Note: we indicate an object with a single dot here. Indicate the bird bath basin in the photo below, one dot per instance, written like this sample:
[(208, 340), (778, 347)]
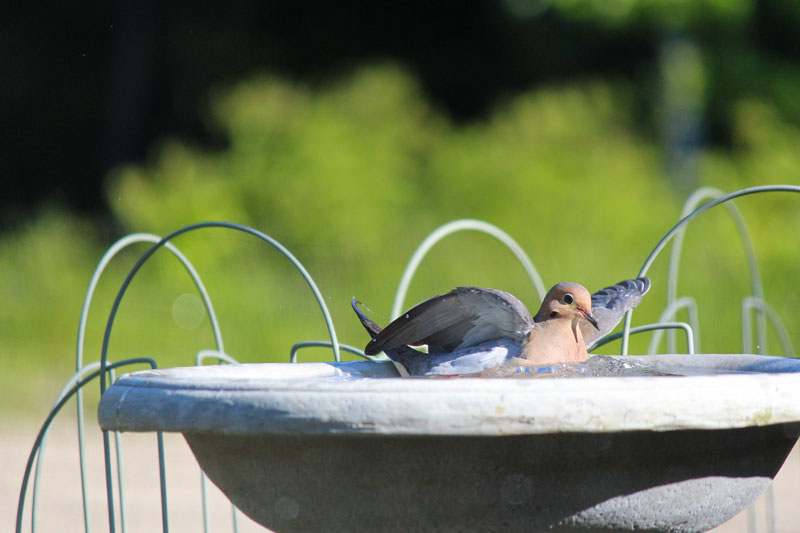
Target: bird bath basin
[(349, 447)]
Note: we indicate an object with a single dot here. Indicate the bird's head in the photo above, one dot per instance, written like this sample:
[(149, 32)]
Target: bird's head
[(567, 300)]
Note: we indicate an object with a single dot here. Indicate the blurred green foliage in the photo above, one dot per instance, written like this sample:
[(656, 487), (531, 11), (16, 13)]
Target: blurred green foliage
[(351, 178), (659, 13)]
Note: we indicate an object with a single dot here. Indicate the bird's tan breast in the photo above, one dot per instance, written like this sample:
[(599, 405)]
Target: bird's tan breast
[(555, 341)]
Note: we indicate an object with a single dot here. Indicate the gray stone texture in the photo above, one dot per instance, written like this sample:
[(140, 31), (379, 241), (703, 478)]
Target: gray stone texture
[(647, 481), (348, 447)]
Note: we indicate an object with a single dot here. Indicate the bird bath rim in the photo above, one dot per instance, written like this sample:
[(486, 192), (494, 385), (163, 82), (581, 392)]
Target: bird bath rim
[(362, 398)]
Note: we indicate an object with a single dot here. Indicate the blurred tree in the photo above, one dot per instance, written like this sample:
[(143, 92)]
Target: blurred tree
[(351, 177), (91, 86)]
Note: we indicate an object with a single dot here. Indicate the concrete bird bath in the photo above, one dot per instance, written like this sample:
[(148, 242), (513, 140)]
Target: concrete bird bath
[(349, 447)]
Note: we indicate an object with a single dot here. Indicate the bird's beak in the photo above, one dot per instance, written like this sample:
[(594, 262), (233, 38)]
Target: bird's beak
[(588, 316)]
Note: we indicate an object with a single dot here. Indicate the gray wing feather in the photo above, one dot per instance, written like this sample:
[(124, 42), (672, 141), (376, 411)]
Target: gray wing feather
[(466, 316), (610, 304)]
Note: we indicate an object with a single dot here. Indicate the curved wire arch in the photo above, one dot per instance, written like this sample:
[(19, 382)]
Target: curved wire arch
[(751, 302), (59, 404), (684, 302), (710, 193), (325, 344), (129, 278), (77, 376), (220, 356), (106, 259), (658, 326), (463, 224), (112, 252), (683, 221)]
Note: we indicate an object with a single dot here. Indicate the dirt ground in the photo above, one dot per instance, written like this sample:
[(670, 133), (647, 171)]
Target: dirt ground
[(60, 508)]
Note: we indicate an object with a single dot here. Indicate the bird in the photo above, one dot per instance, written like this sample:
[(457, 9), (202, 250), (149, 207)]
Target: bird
[(473, 329)]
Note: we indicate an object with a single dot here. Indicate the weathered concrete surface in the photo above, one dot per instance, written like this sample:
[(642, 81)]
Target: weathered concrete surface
[(322, 398), (314, 446), (675, 481)]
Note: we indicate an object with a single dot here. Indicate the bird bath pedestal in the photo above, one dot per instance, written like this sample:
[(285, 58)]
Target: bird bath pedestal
[(348, 447)]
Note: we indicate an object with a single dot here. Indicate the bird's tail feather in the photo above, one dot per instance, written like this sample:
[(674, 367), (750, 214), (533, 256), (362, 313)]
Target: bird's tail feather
[(399, 355)]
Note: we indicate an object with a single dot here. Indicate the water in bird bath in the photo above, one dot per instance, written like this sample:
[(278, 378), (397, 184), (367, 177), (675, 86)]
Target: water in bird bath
[(595, 366)]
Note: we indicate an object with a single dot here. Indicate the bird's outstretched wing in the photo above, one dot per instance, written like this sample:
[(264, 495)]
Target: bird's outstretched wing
[(464, 317), (610, 304)]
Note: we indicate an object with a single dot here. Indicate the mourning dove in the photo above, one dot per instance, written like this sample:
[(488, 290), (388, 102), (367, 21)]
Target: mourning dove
[(472, 329)]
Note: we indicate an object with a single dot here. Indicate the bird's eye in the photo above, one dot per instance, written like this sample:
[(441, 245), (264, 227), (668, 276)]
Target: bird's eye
[(568, 299)]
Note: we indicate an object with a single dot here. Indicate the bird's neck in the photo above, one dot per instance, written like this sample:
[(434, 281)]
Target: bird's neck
[(558, 340)]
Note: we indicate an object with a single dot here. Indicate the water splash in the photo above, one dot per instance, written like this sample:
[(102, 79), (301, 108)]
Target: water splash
[(595, 366)]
